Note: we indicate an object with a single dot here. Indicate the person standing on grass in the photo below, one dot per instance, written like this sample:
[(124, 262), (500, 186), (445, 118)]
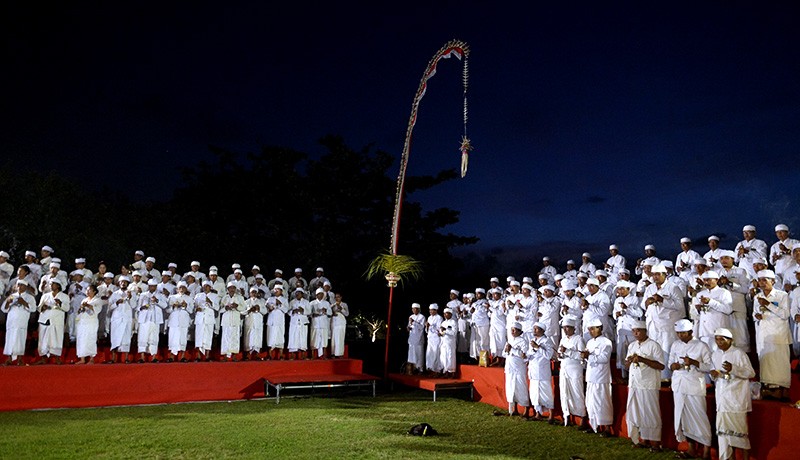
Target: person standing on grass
[(571, 375), (18, 308), (731, 372), (151, 306), (643, 414), (597, 356), (299, 309), (540, 374), (690, 361), (53, 307), (432, 362), (516, 371), (86, 326)]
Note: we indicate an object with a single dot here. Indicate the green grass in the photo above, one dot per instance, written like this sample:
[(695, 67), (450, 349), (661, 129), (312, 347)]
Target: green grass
[(352, 427)]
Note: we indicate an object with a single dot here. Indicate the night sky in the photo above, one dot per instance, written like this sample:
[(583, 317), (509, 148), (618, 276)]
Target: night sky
[(613, 122)]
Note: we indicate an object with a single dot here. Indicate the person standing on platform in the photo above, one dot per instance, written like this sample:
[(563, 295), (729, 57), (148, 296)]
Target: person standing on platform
[(320, 324), (206, 306), (121, 305), (181, 307), (549, 312), (481, 322), (86, 326), (299, 309), (433, 363), (731, 372), (498, 335), (53, 307), (597, 356), (735, 281), (686, 258), (750, 249), (338, 325), (713, 306), (664, 306), (277, 307), (151, 306), (416, 339), (780, 254), (643, 415), (690, 361), (18, 308), (540, 355), (773, 338), (233, 308), (626, 312), (253, 334), (447, 348), (615, 262), (570, 381), (516, 371)]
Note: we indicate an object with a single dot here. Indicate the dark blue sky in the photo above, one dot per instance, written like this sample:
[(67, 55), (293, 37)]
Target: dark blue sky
[(593, 122)]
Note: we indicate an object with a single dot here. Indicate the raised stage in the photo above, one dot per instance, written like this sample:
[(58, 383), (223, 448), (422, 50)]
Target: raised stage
[(774, 426), (65, 386)]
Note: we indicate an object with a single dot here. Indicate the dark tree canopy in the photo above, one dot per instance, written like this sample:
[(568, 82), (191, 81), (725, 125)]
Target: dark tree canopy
[(278, 208)]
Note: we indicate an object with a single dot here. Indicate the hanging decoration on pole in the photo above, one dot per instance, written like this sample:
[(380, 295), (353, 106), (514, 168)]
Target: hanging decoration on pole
[(396, 267)]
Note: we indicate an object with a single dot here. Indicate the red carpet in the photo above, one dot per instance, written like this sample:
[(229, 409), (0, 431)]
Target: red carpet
[(53, 386), (774, 426)]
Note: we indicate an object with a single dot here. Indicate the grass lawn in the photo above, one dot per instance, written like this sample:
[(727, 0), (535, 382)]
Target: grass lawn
[(351, 427)]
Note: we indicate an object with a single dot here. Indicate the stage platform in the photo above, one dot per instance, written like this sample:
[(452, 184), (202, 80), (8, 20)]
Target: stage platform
[(435, 385), (774, 426), (69, 386)]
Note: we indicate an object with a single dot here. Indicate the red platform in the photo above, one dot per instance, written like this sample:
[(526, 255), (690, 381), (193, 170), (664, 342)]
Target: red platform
[(65, 386), (774, 426)]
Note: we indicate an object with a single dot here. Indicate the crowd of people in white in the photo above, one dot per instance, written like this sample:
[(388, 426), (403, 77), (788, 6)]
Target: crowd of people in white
[(244, 313), (686, 323)]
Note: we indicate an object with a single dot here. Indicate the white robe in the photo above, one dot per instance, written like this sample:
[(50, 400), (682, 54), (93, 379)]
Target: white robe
[(180, 320), (151, 306), (570, 379), (732, 396), (540, 374), (497, 327), (298, 325), (86, 324), (53, 309), (643, 413), (689, 391), (773, 338), (276, 321), (17, 319), (338, 327), (253, 329), (231, 323), (516, 372), (205, 313), (121, 305), (598, 382), (432, 359), (320, 324), (447, 346), (416, 340)]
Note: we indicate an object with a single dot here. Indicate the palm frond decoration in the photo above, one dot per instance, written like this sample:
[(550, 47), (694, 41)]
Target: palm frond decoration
[(394, 268)]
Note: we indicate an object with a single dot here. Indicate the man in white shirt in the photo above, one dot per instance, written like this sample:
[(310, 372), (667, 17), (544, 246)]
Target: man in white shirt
[(690, 362), (686, 257), (749, 249), (714, 306), (615, 262), (643, 415), (771, 313), (649, 257), (712, 256), (416, 339), (597, 356), (587, 266), (780, 254)]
